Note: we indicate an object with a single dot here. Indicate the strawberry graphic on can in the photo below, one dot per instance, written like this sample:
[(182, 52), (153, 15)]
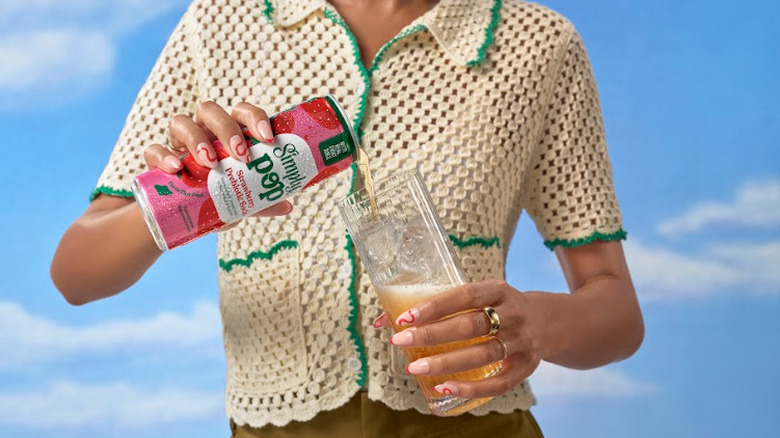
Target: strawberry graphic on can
[(312, 141)]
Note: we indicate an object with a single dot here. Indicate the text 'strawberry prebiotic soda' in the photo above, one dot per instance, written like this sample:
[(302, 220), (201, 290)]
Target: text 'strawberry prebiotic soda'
[(312, 141)]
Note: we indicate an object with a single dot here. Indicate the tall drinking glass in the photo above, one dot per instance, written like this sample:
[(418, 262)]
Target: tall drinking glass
[(409, 259)]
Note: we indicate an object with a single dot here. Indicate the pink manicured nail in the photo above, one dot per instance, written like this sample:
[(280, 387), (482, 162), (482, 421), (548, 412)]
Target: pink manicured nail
[(418, 367), (379, 322), (408, 318), (172, 162), (447, 389), (402, 339), (240, 148), (265, 130), (207, 155)]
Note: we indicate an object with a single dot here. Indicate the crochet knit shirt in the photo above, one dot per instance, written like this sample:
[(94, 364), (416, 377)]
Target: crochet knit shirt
[(494, 103)]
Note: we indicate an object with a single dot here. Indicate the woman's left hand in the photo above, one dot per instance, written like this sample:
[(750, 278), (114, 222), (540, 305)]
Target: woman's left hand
[(517, 341)]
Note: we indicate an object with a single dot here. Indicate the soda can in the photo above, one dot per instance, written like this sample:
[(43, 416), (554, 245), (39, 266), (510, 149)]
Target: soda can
[(312, 141)]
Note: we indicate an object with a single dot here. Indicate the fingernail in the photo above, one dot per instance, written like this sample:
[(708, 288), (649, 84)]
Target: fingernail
[(402, 339), (447, 389), (240, 148), (172, 162), (408, 317), (378, 322), (420, 366), (207, 155), (289, 208), (265, 130)]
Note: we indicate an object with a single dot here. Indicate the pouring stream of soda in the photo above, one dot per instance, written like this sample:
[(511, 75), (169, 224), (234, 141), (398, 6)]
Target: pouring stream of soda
[(365, 180)]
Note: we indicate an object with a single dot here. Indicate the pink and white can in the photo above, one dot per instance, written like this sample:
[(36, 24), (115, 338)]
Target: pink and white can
[(312, 141)]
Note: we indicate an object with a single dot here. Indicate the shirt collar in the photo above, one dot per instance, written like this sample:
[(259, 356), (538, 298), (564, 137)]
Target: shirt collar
[(463, 28)]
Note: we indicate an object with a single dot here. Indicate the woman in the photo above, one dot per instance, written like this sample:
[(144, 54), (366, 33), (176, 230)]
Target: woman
[(494, 103)]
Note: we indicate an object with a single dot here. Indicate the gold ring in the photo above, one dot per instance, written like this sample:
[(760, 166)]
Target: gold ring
[(495, 321), (173, 148), (503, 346)]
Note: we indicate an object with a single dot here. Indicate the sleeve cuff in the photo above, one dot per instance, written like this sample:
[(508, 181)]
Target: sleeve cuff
[(620, 234), (105, 190)]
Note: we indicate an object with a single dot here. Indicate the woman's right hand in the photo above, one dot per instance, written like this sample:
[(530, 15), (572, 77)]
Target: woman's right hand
[(212, 122), (94, 261)]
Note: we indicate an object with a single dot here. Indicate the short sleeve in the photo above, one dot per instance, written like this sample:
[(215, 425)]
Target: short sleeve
[(568, 191), (170, 89)]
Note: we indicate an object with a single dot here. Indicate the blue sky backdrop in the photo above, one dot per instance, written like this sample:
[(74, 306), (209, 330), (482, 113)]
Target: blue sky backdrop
[(691, 100)]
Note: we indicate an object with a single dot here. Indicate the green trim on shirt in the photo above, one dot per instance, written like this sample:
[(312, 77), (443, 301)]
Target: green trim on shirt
[(333, 16), (489, 31), (354, 305), (268, 10), (227, 265), (381, 53), (476, 240), (620, 234), (105, 190)]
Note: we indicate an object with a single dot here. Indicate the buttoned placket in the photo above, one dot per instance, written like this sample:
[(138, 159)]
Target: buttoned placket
[(302, 9), (364, 91)]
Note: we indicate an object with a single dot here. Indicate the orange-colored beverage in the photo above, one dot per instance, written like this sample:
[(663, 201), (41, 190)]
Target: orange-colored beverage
[(395, 300), (409, 258)]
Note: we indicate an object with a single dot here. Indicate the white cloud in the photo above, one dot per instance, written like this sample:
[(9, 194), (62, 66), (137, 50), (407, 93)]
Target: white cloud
[(114, 17), (746, 268), (556, 383), (757, 204), (74, 406), (28, 339), (52, 51), (54, 59)]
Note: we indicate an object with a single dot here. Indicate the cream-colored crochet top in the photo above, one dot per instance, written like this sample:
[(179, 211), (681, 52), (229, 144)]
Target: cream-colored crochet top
[(494, 103)]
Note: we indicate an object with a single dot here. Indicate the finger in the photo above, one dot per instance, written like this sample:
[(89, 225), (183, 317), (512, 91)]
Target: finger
[(515, 369), (255, 119), (212, 117), (458, 328), (158, 156), (183, 130), (462, 359), (381, 321), (466, 297), (280, 209), (178, 146)]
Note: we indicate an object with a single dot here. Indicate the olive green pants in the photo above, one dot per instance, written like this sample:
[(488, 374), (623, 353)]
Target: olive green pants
[(363, 418)]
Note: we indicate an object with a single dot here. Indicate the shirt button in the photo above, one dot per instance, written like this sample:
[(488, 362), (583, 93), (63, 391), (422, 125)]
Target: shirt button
[(361, 88), (354, 364)]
